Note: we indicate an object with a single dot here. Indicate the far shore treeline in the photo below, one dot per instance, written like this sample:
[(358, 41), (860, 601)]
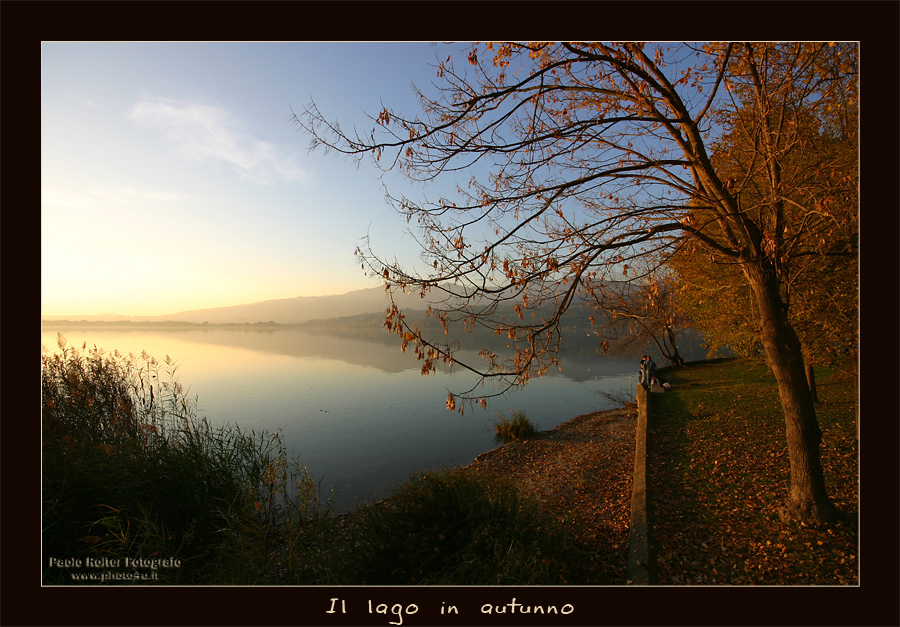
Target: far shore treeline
[(371, 327)]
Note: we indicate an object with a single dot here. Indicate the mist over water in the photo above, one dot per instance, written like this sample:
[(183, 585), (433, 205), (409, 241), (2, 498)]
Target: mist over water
[(351, 404)]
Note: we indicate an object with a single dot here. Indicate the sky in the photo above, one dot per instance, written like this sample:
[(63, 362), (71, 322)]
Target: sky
[(173, 177)]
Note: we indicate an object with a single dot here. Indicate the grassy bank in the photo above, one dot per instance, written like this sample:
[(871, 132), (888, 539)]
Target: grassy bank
[(718, 468), (132, 475), (455, 528)]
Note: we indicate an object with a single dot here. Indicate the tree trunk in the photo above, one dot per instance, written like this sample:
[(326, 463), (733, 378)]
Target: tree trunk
[(676, 358), (807, 499), (811, 381)]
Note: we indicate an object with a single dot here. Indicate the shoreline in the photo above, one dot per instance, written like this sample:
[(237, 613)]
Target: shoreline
[(602, 416), (581, 472)]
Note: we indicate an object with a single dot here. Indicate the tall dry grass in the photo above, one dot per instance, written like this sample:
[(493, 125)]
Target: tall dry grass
[(131, 471)]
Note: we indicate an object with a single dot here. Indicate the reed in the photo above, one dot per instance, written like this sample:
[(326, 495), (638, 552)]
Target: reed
[(131, 471), (517, 426)]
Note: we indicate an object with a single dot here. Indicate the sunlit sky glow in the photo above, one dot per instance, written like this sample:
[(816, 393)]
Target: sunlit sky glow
[(174, 179)]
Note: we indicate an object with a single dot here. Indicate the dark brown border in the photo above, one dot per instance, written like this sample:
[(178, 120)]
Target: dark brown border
[(25, 24)]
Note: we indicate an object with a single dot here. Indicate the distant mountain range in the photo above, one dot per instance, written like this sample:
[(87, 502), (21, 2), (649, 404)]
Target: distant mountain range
[(282, 311)]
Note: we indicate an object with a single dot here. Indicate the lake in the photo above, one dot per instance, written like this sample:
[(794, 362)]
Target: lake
[(351, 404)]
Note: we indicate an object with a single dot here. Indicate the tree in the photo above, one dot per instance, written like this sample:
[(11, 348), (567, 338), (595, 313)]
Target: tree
[(643, 310), (816, 176), (585, 157)]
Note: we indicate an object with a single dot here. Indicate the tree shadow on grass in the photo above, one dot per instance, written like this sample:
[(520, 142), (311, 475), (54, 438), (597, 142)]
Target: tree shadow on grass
[(668, 459)]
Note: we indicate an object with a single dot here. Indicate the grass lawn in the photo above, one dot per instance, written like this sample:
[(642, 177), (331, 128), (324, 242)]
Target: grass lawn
[(718, 470)]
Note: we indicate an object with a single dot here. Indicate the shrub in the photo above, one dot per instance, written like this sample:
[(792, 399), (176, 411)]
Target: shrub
[(450, 527), (509, 429)]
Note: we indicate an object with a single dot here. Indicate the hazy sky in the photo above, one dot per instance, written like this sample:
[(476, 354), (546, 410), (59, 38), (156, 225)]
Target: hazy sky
[(174, 179)]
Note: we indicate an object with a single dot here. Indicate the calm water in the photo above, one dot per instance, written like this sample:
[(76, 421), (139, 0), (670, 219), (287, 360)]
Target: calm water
[(356, 410)]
